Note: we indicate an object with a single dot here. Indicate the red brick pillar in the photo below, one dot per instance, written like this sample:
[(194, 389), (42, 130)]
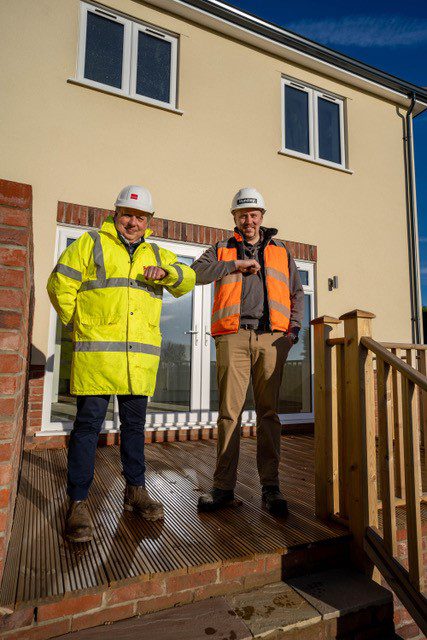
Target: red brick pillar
[(16, 303)]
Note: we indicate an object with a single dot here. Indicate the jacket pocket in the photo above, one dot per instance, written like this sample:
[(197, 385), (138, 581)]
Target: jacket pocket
[(99, 329)]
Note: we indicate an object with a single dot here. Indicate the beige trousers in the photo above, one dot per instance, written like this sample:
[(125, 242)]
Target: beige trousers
[(240, 356)]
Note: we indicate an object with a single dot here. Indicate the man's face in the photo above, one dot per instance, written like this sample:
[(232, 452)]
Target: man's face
[(131, 223), (248, 222)]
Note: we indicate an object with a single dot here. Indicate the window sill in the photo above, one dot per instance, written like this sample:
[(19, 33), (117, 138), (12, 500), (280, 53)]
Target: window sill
[(317, 162), (88, 85)]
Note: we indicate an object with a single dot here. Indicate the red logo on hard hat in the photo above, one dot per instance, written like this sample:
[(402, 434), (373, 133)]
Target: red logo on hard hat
[(134, 196)]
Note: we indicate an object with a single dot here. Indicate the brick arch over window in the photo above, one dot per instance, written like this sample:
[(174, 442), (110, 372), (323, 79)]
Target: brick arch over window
[(81, 215)]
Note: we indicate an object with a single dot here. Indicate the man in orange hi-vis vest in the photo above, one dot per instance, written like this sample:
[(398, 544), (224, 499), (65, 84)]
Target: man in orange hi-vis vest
[(256, 317)]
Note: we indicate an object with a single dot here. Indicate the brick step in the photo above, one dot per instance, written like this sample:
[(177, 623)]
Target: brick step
[(150, 593), (336, 604)]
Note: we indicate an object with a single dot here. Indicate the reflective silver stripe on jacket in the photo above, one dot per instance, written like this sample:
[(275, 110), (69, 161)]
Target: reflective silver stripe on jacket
[(180, 272), (225, 312), (155, 291), (68, 271), (98, 256), (102, 282), (229, 279), (278, 275), (122, 347), (280, 308), (156, 253)]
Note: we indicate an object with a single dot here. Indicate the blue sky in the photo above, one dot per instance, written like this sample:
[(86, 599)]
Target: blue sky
[(389, 35)]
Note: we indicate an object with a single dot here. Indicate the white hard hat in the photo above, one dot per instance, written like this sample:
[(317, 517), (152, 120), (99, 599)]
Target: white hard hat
[(135, 197), (248, 198)]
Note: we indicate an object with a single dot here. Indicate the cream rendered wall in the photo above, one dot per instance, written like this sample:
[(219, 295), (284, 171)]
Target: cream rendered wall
[(80, 145)]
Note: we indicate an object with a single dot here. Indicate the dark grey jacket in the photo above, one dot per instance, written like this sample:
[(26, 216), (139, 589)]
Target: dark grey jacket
[(254, 309)]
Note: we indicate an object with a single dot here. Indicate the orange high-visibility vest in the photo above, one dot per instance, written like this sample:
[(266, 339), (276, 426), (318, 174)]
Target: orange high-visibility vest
[(228, 290)]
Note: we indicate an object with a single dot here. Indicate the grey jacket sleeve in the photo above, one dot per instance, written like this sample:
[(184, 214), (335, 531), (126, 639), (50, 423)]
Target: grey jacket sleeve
[(297, 295), (208, 268)]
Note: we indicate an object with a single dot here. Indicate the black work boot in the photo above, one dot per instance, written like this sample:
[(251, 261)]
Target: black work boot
[(216, 499), (78, 524), (138, 500), (274, 500)]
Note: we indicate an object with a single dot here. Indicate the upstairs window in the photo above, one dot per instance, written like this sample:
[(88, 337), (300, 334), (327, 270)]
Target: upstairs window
[(313, 124), (127, 57)]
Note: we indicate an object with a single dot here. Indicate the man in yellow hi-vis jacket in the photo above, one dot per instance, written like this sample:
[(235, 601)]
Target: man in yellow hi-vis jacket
[(108, 285)]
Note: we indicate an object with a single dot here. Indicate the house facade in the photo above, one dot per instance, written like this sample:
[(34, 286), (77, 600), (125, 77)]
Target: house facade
[(195, 100)]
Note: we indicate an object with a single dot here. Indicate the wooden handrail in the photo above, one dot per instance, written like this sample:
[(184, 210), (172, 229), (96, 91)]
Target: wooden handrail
[(404, 345), (371, 406), (405, 369), (397, 577)]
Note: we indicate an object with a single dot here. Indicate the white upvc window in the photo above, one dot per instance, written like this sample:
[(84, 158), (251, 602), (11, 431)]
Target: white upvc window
[(126, 57), (313, 124)]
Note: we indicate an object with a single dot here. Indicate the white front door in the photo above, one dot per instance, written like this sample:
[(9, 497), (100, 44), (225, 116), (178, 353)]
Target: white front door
[(186, 392)]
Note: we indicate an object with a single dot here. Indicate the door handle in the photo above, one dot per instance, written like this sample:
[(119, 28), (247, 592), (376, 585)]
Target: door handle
[(193, 332), (207, 333)]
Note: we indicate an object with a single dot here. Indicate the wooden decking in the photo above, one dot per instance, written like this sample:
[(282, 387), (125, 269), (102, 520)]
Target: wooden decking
[(41, 565)]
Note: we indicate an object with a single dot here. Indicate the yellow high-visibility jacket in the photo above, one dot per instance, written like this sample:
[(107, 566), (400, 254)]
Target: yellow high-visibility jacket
[(114, 310)]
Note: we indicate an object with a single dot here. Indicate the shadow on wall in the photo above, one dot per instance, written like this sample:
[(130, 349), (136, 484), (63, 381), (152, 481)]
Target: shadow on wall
[(38, 358)]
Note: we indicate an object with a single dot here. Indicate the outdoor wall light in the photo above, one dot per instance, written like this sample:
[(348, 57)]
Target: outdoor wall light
[(333, 283)]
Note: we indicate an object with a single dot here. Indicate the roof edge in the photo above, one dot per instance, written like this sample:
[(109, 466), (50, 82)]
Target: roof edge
[(225, 12)]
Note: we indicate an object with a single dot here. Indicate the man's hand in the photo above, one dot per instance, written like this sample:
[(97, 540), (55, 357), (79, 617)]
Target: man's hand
[(154, 273), (247, 266)]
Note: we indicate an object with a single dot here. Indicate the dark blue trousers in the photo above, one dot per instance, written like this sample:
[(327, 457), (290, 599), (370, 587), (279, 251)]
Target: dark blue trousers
[(91, 411)]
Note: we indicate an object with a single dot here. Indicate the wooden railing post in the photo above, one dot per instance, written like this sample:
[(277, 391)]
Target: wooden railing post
[(326, 419), (360, 441)]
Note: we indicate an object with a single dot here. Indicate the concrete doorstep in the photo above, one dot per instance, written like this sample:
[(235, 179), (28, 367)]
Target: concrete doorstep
[(336, 604)]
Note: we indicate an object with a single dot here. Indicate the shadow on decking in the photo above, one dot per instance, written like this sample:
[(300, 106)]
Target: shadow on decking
[(42, 565)]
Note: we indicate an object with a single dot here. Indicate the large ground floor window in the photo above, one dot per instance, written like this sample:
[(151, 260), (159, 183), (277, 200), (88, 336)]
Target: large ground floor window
[(186, 391)]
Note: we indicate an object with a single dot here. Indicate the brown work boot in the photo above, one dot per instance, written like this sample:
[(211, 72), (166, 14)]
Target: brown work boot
[(137, 499), (216, 499), (274, 500), (78, 524)]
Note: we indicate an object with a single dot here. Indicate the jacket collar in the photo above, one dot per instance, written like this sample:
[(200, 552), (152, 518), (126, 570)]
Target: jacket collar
[(109, 228), (267, 234)]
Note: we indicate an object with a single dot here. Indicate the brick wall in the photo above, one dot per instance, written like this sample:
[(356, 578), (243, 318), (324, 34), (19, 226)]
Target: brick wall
[(146, 594), (404, 624), (16, 304)]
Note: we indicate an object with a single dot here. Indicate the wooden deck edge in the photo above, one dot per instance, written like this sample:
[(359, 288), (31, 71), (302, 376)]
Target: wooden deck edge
[(149, 593)]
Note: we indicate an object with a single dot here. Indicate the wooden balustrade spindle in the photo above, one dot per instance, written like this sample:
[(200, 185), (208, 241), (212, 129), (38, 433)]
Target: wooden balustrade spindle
[(413, 483), (342, 433), (398, 429), (386, 457), (423, 370)]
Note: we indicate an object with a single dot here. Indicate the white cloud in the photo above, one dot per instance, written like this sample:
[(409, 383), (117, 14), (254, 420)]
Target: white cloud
[(365, 31)]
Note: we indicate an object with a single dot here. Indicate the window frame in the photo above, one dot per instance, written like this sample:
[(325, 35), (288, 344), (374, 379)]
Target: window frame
[(130, 55), (309, 290), (314, 94)]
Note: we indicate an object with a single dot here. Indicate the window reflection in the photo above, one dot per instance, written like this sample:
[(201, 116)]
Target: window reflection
[(104, 50), (295, 392), (174, 375)]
